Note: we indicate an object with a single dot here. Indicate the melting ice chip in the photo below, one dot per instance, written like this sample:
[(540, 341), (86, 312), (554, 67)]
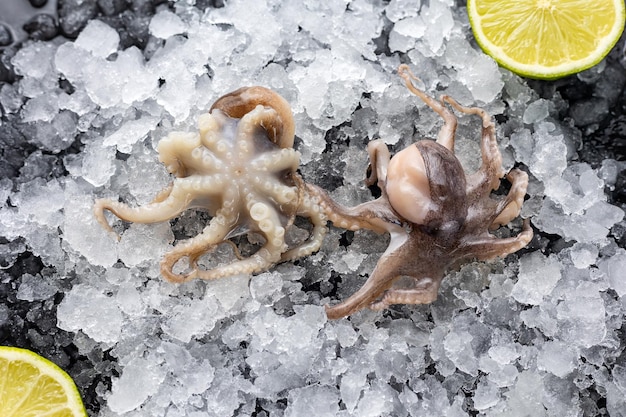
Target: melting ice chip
[(36, 288), (536, 111), (166, 24), (89, 310), (130, 133), (98, 38), (556, 357), (614, 268), (140, 379), (537, 278)]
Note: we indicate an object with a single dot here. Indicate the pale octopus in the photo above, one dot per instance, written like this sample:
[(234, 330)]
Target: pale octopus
[(241, 168), (437, 217)]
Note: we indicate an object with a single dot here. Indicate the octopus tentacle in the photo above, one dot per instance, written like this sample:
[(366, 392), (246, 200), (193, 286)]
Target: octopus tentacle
[(488, 176), (379, 162), (171, 147), (310, 208), (261, 260), (218, 134), (374, 215), (287, 197), (280, 193), (248, 127), (446, 134), (201, 182), (235, 249), (178, 147), (168, 204), (242, 101), (379, 281), (193, 248), (424, 292), (490, 247), (268, 223), (163, 194), (207, 163), (276, 161), (213, 234), (197, 158), (267, 220), (511, 206)]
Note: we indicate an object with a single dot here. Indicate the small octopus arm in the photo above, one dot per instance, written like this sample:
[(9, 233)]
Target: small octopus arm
[(437, 216), (241, 168)]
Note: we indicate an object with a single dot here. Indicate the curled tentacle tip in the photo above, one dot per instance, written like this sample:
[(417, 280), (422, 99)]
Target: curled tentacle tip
[(404, 69), (99, 206), (405, 72), (167, 266)]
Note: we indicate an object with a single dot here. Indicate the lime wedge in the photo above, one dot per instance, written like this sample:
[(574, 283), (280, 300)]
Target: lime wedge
[(31, 386), (546, 39)]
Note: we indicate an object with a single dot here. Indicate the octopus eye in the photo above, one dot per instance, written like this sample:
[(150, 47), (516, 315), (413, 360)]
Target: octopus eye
[(407, 186)]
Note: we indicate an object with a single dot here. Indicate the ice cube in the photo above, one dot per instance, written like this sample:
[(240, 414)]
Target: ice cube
[(537, 278), (165, 24), (98, 38)]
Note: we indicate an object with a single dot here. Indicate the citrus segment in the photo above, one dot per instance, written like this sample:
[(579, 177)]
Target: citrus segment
[(32, 386), (546, 38)]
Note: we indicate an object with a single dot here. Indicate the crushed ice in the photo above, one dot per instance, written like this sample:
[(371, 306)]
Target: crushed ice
[(529, 336)]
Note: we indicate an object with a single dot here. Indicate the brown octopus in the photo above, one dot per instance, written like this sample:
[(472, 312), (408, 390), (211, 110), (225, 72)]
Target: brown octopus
[(437, 217), (241, 168)]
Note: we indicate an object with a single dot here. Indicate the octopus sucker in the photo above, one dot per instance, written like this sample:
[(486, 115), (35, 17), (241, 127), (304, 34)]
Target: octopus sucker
[(207, 123), (285, 159), (438, 217), (240, 167), (283, 194)]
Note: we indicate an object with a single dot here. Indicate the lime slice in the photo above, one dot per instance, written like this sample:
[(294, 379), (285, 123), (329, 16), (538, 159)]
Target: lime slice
[(31, 386), (546, 38)]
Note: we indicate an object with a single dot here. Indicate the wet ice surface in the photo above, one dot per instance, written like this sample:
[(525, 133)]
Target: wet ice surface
[(539, 333)]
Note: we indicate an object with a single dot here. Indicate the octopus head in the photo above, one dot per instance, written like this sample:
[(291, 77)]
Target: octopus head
[(426, 186)]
